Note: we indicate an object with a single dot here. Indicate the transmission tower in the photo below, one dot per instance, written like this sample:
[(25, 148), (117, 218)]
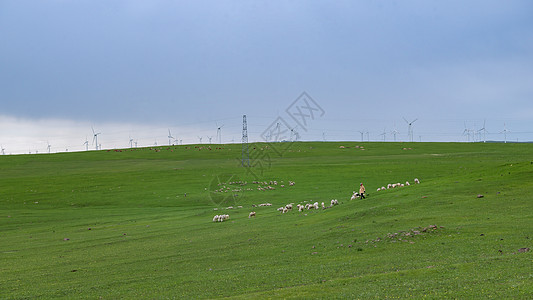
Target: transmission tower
[(245, 153)]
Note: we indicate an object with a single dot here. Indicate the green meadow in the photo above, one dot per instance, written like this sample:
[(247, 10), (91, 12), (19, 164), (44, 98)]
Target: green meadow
[(138, 223)]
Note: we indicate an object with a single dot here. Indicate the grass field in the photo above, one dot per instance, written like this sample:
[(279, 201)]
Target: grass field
[(138, 223)]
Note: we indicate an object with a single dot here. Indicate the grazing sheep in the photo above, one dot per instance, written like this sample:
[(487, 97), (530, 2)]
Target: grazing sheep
[(220, 218), (407, 183), (300, 207), (323, 206), (382, 188), (288, 206), (389, 186), (252, 214), (417, 181), (315, 205), (334, 202), (281, 209), (379, 189)]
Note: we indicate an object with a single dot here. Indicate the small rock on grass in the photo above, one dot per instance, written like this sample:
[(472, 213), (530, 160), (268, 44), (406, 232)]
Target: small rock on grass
[(480, 196)]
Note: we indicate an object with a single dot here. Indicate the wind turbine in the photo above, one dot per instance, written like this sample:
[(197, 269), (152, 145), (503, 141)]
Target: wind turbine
[(48, 147), (504, 131), (86, 144), (3, 150), (467, 132), (170, 137), (95, 137), (294, 133), (368, 136), (394, 133), (209, 138), (200, 138), (484, 130), (131, 142), (384, 134), (410, 128), (362, 133), (324, 136), (219, 133)]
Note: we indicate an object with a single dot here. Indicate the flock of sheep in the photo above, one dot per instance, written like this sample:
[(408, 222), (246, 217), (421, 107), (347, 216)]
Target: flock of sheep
[(395, 185), (283, 209), (220, 218), (307, 206)]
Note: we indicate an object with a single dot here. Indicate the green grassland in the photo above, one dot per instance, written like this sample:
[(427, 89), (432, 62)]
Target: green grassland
[(137, 223)]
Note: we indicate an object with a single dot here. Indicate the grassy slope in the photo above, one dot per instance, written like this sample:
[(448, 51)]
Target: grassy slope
[(147, 239)]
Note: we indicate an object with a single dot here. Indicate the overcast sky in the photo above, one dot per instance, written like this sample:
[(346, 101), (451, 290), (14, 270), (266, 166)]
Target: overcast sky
[(134, 69)]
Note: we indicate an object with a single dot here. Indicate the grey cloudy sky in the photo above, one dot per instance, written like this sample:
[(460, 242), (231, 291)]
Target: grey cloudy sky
[(137, 68)]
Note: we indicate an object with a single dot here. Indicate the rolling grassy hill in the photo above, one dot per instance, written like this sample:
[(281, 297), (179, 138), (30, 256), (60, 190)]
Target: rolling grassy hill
[(137, 223)]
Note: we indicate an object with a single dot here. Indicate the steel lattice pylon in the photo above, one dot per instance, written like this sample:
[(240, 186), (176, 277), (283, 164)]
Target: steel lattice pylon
[(245, 153)]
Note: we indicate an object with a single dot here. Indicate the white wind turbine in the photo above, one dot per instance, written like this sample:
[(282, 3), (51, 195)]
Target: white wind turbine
[(170, 137), (504, 131), (131, 142), (3, 150), (209, 138), (484, 130), (394, 133), (48, 147), (466, 132), (219, 133), (410, 128), (95, 137), (86, 144), (294, 135), (362, 135), (200, 138), (384, 134)]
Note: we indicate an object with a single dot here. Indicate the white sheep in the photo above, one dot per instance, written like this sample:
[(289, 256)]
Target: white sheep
[(407, 183), (220, 218), (334, 202), (281, 209), (288, 206), (389, 186), (315, 205), (252, 214), (354, 196), (323, 206), (417, 181)]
